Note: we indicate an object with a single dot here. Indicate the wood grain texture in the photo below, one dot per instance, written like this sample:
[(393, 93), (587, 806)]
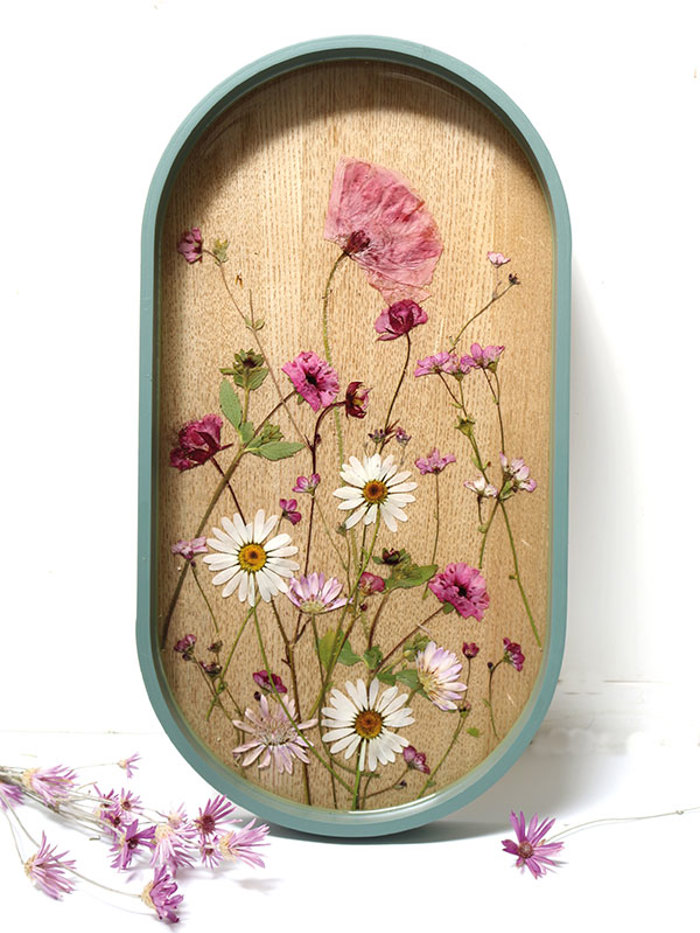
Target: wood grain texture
[(260, 177)]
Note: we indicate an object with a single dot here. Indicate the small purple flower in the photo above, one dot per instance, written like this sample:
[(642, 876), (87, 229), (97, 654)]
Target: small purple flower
[(129, 764), (262, 679), (128, 843), (513, 654), (415, 760), (517, 475), (289, 511), (190, 245), (484, 357), (470, 650), (215, 813), (434, 463), (531, 848), (402, 437), (243, 844), (49, 871), (188, 549), (438, 363), (161, 895), (399, 319), (185, 647), (51, 784), (497, 259), (10, 795), (307, 484)]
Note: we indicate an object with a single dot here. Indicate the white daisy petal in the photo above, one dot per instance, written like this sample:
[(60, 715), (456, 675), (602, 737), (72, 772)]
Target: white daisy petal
[(354, 518)]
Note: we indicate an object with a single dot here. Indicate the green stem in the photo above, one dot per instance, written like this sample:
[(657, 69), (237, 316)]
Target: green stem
[(485, 532), (222, 675), (356, 788), (516, 574), (492, 671), (396, 392), (497, 400), (431, 779), (437, 529), (327, 350), (404, 640), (205, 598), (493, 301)]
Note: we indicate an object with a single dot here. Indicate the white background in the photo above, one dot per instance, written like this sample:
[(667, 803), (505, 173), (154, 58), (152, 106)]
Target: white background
[(92, 94)]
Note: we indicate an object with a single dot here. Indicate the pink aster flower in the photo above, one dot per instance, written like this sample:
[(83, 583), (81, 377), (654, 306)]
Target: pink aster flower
[(289, 511), (190, 245), (49, 871), (464, 588), (198, 441), (532, 849), (484, 357), (483, 489), (315, 594), (497, 259), (399, 319), (513, 654), (370, 584), (174, 841), (215, 814), (375, 218), (129, 764), (313, 378), (273, 737), (446, 363), (161, 895), (434, 463), (243, 844), (10, 795), (415, 760), (438, 670), (129, 842), (262, 679), (51, 784), (188, 549), (517, 474), (307, 484)]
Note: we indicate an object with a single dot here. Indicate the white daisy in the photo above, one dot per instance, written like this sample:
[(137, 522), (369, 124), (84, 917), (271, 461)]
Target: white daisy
[(363, 719), (374, 488), (244, 560)]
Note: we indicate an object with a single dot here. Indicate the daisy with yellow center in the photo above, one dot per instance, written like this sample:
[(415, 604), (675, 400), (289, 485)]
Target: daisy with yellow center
[(374, 488), (363, 720), (246, 562)]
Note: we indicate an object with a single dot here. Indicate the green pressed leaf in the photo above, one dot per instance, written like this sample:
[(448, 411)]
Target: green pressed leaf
[(246, 432), (230, 404), (256, 379), (409, 678), (278, 450), (325, 648), (474, 731), (373, 657), (448, 608), (347, 656), (386, 677), (407, 575)]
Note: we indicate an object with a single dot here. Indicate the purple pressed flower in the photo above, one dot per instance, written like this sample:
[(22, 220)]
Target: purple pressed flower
[(209, 851), (464, 588), (434, 463), (128, 843), (185, 647), (513, 654), (402, 437), (188, 549), (356, 400), (531, 848), (289, 510), (314, 593), (497, 259), (262, 679), (313, 378), (51, 784), (415, 760), (483, 489), (129, 764), (161, 895), (517, 474), (190, 245), (211, 668), (470, 650), (438, 363), (484, 357), (242, 844), (174, 841), (307, 484), (48, 871), (399, 319), (197, 442), (215, 813), (370, 584), (10, 795)]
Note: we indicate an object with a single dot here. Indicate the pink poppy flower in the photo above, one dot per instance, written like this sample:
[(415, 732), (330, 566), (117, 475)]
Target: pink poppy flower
[(532, 849), (198, 441), (375, 218), (399, 319), (313, 378), (464, 588)]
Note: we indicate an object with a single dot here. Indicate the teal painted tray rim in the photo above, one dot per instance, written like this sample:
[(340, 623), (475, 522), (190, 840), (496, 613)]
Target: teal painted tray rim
[(268, 806)]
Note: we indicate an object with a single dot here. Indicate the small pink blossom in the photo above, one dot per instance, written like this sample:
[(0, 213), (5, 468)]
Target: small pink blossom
[(483, 489), (185, 647), (375, 218), (470, 650), (49, 871), (497, 259), (517, 474), (415, 760), (289, 511), (399, 319), (315, 594), (262, 679), (214, 815), (513, 654), (307, 484), (51, 784), (370, 583), (446, 363), (129, 764), (313, 378), (188, 549), (434, 463), (198, 441), (128, 843), (532, 849), (243, 844), (402, 437), (482, 357), (190, 245), (462, 587), (161, 895)]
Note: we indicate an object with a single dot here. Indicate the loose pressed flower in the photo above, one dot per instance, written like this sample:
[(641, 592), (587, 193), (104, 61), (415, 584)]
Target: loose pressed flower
[(370, 584), (213, 816), (513, 654), (209, 852), (484, 357), (375, 218), (129, 802), (374, 489), (434, 463), (190, 245), (464, 588), (129, 842), (313, 378), (483, 489), (314, 593), (129, 764), (470, 649), (49, 871), (532, 849), (198, 441), (245, 561), (497, 259), (185, 647), (415, 760), (51, 784), (275, 735), (402, 437), (243, 844), (262, 679), (438, 670), (517, 475), (188, 549), (356, 400), (10, 795), (399, 319), (174, 842), (161, 895), (446, 363), (363, 719)]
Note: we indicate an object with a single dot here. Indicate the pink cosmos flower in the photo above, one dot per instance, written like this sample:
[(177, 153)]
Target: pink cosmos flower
[(313, 378), (243, 844), (273, 737), (10, 795), (188, 549), (484, 357), (49, 871), (438, 363), (215, 813), (190, 245), (51, 784), (262, 679), (375, 218), (356, 400), (518, 473), (128, 843), (314, 593), (307, 484), (513, 654), (497, 259), (289, 511), (415, 760), (129, 764), (370, 583), (464, 588), (531, 848), (399, 319), (198, 441), (161, 895), (434, 463)]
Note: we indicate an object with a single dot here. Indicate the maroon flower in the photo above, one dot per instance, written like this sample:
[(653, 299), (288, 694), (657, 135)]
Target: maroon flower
[(313, 378), (370, 583), (161, 895), (198, 441), (356, 400), (185, 647), (415, 760), (532, 849), (190, 245), (513, 654), (289, 511), (464, 588), (262, 679), (470, 650), (399, 319)]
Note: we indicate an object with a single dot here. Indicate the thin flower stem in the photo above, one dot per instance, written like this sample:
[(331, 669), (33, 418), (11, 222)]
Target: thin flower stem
[(485, 532), (216, 697), (375, 620), (437, 529), (405, 639), (387, 422), (205, 598), (496, 393), (494, 299), (619, 819), (383, 790), (222, 675), (492, 671), (356, 788), (516, 574), (450, 392), (222, 472), (327, 349), (455, 735)]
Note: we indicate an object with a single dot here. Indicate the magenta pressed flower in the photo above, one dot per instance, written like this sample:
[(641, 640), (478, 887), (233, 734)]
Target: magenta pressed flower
[(307, 484), (188, 549), (275, 735), (49, 871), (314, 379), (51, 784), (375, 218), (446, 363), (370, 583), (482, 357), (243, 844), (399, 319), (470, 650), (434, 463), (356, 400), (289, 511), (161, 895), (214, 815), (314, 593), (185, 647), (497, 259), (532, 849), (10, 795), (198, 441), (262, 679), (415, 760), (464, 588), (190, 245), (517, 475), (513, 654), (128, 844)]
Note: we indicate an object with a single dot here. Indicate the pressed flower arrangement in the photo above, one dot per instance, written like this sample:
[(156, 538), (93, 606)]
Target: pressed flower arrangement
[(353, 493)]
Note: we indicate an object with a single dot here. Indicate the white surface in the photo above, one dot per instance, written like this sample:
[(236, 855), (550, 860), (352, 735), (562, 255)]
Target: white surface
[(92, 95)]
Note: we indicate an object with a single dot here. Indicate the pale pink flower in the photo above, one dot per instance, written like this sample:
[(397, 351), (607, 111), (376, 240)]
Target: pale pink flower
[(464, 588), (314, 379), (517, 472), (243, 844), (438, 670), (188, 549), (174, 841), (274, 734), (161, 895), (497, 259), (49, 871), (307, 484), (289, 511), (532, 849), (482, 488), (375, 218), (10, 795), (51, 784), (190, 245), (446, 363), (314, 593), (434, 463), (399, 319)]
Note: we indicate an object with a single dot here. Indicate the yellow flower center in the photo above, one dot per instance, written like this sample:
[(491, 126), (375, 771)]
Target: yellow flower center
[(368, 724), (252, 558), (375, 491)]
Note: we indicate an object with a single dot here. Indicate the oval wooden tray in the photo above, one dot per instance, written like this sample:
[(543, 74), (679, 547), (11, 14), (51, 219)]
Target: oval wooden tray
[(355, 253)]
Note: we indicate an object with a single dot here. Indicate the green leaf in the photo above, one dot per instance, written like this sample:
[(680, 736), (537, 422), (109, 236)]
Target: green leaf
[(347, 656), (230, 404), (278, 450), (373, 657), (448, 608), (474, 731), (407, 575), (256, 379), (386, 677), (325, 648), (246, 432), (409, 678)]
